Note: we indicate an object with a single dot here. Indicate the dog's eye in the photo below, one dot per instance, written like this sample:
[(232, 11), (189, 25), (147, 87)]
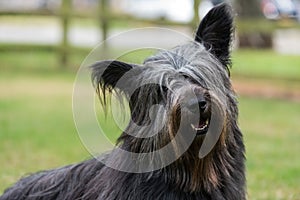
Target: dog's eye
[(191, 80), (185, 76)]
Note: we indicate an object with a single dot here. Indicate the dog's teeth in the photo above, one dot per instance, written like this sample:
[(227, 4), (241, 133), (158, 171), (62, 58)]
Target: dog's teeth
[(198, 129), (193, 126), (202, 128), (206, 122)]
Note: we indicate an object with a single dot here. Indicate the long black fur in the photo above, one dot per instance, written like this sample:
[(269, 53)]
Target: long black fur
[(220, 175)]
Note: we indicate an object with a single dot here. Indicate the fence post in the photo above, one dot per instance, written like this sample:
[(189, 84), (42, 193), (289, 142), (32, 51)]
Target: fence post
[(195, 20), (65, 21), (103, 12)]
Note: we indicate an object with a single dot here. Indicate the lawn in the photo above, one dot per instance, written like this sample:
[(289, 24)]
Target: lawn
[(266, 64), (272, 142), (37, 129)]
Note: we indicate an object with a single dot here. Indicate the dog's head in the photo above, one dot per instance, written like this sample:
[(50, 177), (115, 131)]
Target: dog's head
[(179, 96)]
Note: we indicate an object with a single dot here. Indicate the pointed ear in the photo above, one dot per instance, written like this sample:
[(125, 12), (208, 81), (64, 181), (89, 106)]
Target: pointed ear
[(215, 32), (106, 74)]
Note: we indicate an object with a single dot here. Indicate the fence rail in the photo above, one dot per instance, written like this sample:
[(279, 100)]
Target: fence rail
[(101, 14)]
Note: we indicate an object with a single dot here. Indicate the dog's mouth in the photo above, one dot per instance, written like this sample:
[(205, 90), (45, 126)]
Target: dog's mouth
[(202, 126), (199, 111)]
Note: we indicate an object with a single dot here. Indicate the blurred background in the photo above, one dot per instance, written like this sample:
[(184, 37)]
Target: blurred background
[(43, 43)]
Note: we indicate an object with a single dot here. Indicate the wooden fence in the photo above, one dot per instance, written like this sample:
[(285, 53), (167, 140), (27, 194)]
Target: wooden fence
[(103, 16)]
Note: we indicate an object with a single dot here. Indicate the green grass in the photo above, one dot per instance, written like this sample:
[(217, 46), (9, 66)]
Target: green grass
[(36, 126), (272, 144), (261, 25), (265, 64), (37, 129), (43, 63)]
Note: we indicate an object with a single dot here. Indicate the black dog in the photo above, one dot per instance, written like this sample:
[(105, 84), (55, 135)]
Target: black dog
[(195, 109)]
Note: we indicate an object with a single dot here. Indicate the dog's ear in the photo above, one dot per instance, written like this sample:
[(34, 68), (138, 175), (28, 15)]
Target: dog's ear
[(106, 76), (109, 72), (215, 32)]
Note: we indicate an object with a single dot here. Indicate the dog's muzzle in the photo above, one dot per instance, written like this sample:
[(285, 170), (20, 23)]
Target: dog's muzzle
[(200, 106)]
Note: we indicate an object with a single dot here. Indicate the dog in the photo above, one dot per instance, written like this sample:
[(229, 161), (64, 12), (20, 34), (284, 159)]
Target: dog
[(182, 141)]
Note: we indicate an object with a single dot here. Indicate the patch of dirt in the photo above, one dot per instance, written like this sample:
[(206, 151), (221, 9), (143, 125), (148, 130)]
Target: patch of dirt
[(34, 87)]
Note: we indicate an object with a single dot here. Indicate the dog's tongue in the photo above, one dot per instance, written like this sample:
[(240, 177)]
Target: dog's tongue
[(201, 124)]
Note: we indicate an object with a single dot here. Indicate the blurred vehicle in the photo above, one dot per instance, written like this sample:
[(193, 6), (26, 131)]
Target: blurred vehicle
[(278, 9), (297, 3)]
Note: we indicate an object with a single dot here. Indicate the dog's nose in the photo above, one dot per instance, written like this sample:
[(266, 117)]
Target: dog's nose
[(202, 105), (198, 104)]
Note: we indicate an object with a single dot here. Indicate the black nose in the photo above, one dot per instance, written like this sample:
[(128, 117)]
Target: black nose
[(197, 105), (202, 105)]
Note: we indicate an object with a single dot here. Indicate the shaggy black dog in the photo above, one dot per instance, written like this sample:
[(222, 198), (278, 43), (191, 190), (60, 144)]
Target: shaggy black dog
[(180, 100)]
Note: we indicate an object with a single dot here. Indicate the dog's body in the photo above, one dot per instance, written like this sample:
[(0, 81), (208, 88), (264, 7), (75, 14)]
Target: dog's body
[(200, 67)]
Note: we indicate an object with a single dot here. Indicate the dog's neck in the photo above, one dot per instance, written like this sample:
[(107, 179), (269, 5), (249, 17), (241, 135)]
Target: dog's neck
[(193, 174)]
